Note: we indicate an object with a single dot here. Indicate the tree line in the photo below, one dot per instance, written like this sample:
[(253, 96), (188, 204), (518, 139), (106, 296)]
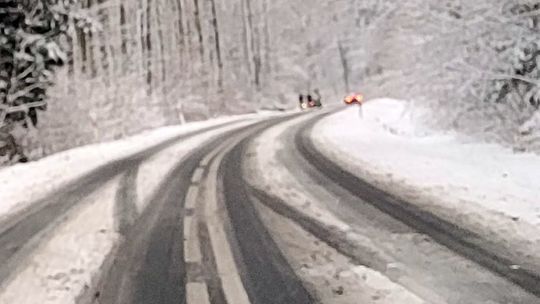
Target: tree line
[(108, 68), (166, 61)]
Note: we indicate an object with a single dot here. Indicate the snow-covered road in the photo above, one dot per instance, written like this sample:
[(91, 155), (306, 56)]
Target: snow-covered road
[(268, 209)]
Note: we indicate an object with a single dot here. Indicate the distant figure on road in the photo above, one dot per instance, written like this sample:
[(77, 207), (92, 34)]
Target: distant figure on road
[(308, 102), (313, 103)]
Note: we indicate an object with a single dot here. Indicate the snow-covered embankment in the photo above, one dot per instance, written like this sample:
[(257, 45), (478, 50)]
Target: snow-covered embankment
[(484, 187)]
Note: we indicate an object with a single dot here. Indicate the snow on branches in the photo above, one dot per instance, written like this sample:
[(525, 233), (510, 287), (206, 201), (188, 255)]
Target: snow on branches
[(32, 44), (474, 63)]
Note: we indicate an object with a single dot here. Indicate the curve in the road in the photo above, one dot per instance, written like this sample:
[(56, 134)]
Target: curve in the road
[(150, 266), (22, 232), (268, 277), (463, 242)]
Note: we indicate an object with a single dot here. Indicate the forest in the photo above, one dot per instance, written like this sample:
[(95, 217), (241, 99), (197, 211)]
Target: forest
[(74, 72)]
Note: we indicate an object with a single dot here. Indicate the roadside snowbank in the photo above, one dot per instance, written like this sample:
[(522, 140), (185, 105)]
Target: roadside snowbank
[(65, 265), (469, 182), (22, 184)]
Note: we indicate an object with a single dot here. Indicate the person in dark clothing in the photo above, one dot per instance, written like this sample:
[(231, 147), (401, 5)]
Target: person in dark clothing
[(310, 100), (301, 101)]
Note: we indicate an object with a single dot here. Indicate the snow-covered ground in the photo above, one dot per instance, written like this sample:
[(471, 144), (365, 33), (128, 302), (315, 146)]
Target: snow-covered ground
[(64, 265), (23, 184), (480, 185), (68, 263), (328, 274), (152, 171)]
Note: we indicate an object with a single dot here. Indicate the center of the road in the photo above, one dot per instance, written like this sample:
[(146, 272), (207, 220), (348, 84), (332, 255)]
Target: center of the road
[(204, 207), (192, 251)]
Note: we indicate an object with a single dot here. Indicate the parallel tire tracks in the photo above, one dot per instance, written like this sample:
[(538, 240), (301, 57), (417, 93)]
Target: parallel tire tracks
[(268, 277), (458, 239), (150, 265), (24, 231)]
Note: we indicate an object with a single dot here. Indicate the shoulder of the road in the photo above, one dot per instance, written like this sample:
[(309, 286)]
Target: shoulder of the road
[(458, 239)]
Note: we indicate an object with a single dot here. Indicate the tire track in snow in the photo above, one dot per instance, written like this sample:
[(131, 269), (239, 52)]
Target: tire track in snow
[(464, 242), (268, 277), (126, 198), (22, 232)]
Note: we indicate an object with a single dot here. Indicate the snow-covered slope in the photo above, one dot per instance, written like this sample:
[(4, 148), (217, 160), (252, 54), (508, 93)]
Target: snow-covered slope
[(23, 184), (483, 184)]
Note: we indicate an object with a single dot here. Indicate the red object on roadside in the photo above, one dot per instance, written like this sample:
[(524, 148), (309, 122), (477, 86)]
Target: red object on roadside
[(354, 99)]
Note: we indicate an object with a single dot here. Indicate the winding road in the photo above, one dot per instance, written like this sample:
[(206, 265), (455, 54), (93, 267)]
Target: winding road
[(205, 239)]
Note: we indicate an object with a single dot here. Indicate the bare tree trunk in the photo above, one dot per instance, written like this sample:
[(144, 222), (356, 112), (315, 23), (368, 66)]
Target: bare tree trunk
[(345, 65), (139, 40), (245, 36), (267, 64), (253, 44), (92, 62), (250, 47), (189, 36), (104, 47), (149, 53), (180, 33), (77, 55), (88, 41), (198, 26), (180, 20), (81, 43), (163, 62), (217, 45), (123, 30)]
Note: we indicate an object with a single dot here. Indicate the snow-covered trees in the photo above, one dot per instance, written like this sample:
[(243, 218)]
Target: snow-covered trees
[(472, 62), (32, 44), (156, 62)]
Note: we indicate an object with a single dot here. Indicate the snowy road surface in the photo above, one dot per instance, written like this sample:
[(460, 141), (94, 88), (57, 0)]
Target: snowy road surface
[(249, 211)]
